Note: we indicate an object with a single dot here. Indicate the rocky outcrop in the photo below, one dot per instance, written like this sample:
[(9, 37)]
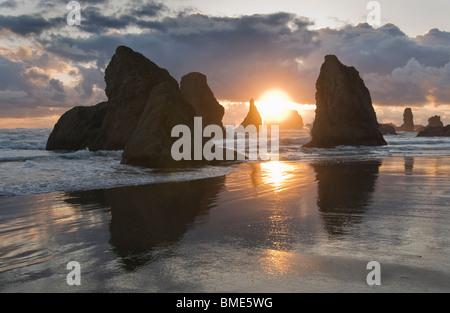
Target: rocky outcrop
[(130, 78), (387, 129), (253, 117), (408, 121), (435, 128), (195, 89), (151, 142), (293, 121), (78, 129), (344, 113), (435, 121), (435, 132), (418, 128)]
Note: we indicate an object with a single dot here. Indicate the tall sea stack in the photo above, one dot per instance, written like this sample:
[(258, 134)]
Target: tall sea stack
[(253, 117), (344, 113), (130, 78), (195, 90), (408, 121)]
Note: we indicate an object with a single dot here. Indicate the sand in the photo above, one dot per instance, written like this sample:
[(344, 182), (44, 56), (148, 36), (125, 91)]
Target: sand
[(267, 227)]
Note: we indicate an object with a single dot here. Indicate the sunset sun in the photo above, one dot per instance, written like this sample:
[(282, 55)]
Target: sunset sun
[(273, 105)]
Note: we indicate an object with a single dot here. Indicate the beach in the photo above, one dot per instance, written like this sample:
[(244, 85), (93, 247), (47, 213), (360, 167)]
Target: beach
[(287, 226)]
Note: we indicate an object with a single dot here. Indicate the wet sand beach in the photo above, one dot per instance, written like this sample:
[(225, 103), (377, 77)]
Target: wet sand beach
[(266, 227)]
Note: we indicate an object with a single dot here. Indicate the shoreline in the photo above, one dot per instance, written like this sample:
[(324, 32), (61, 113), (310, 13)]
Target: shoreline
[(232, 167), (265, 227)]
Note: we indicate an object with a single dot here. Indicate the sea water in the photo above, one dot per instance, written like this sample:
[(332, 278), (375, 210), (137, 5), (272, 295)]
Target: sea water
[(27, 168)]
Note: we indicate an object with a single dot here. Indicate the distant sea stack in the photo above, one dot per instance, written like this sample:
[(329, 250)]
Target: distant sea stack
[(344, 113), (435, 132), (293, 121), (408, 121), (130, 78), (195, 89), (435, 128), (435, 121), (387, 129), (253, 117)]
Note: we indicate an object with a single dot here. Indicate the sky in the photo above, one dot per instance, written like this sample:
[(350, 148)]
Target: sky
[(244, 47)]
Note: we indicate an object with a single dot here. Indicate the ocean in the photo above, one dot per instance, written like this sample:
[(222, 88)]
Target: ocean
[(310, 222), (27, 168)]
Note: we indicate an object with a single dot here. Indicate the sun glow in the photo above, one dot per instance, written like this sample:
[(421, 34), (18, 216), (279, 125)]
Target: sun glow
[(273, 105), (276, 173)]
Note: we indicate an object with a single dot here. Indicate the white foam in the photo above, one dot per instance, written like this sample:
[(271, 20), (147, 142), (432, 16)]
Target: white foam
[(27, 168)]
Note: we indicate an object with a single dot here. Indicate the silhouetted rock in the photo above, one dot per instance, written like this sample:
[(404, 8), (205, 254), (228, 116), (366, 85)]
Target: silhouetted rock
[(408, 121), (387, 129), (435, 132), (151, 143), (130, 78), (435, 121), (419, 128), (293, 121), (253, 117), (78, 129), (344, 114), (195, 89)]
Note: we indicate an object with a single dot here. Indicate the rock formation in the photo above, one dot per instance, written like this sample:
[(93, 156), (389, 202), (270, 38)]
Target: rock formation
[(344, 114), (435, 121), (435, 132), (144, 104), (151, 142), (253, 117), (435, 128), (408, 121), (387, 129), (78, 128), (196, 91), (130, 78), (418, 128), (293, 121)]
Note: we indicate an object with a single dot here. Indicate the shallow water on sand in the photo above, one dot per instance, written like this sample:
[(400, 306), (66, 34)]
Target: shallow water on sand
[(265, 227)]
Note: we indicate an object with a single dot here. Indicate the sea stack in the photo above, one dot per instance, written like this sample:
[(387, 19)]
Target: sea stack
[(195, 90), (151, 142), (344, 113), (130, 78), (293, 121), (435, 121), (387, 129), (253, 117), (408, 121), (435, 132), (78, 129)]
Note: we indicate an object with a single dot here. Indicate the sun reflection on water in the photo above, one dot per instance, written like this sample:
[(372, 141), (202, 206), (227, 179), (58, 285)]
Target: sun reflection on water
[(276, 173)]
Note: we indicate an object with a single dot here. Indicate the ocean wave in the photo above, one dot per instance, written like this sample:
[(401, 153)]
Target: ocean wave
[(28, 168), (118, 175), (24, 139)]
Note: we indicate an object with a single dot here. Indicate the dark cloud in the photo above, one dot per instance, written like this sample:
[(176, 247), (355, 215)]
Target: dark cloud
[(57, 85), (25, 25), (434, 37), (8, 4), (242, 56), (151, 9), (95, 22)]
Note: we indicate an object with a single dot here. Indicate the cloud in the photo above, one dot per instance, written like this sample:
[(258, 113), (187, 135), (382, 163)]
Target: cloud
[(242, 56), (8, 4), (25, 25)]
